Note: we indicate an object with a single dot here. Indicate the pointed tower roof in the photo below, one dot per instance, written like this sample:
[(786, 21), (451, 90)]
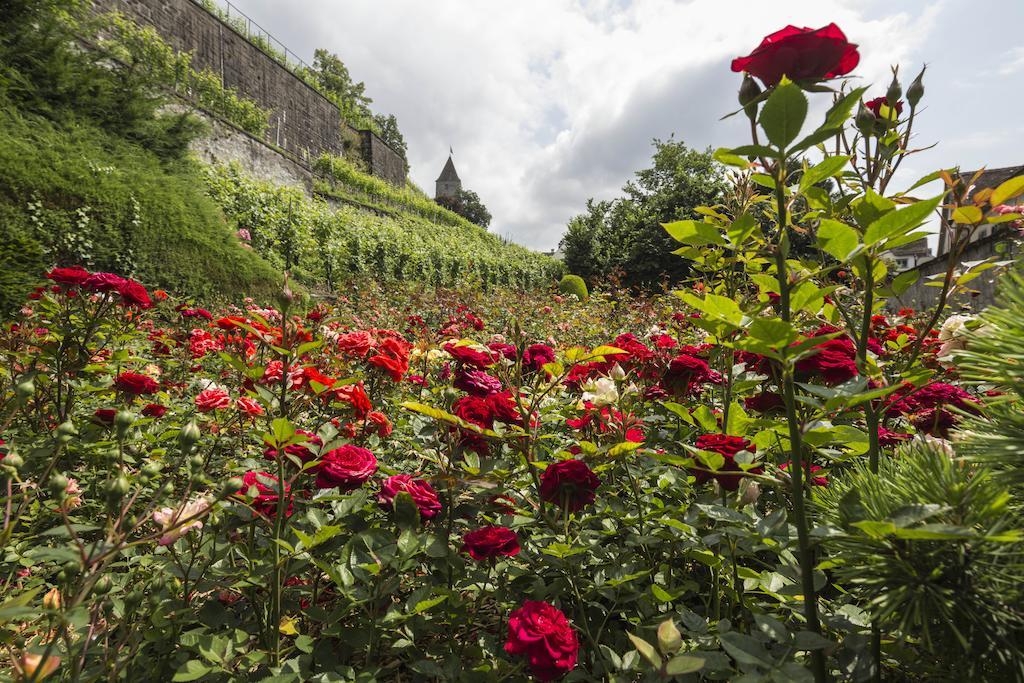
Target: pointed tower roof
[(448, 173)]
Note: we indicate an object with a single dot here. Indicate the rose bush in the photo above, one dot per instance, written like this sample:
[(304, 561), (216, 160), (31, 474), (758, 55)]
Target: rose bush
[(757, 477)]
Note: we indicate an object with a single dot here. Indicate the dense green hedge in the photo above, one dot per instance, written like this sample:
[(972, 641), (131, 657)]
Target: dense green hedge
[(322, 243), (75, 193)]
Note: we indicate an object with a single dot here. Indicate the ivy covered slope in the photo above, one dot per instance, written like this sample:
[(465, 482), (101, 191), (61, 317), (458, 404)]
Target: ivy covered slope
[(332, 239), (92, 172), (76, 194)]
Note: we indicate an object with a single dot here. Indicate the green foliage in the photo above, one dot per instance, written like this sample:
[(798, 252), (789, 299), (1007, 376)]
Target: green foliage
[(574, 285), (468, 205), (931, 543), (331, 244), (387, 128), (333, 80), (347, 181), (143, 51), (625, 235), (73, 193)]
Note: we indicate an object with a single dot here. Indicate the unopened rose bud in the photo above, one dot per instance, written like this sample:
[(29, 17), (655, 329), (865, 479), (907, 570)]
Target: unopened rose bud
[(118, 488), (52, 599), (58, 484), (188, 435), (894, 93), (865, 120), (122, 422), (617, 373), (102, 585), (749, 92), (25, 389), (32, 667), (66, 430), (13, 460), (231, 487), (750, 491), (916, 90)]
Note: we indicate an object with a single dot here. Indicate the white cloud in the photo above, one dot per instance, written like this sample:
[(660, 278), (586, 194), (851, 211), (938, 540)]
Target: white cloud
[(549, 102)]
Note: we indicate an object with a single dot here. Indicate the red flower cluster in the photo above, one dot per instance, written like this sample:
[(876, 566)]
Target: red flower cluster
[(726, 446), (687, 374), (471, 356), (542, 634), (393, 357), (833, 362), (130, 291)]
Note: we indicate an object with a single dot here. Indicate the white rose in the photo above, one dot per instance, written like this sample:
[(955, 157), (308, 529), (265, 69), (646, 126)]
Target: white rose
[(601, 392)]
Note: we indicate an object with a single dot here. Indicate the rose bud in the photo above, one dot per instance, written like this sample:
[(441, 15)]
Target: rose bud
[(749, 92), (894, 93), (916, 90), (52, 599)]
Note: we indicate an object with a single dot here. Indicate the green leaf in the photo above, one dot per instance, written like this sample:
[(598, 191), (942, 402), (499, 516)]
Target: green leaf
[(840, 111), (423, 605), (684, 664), (967, 215), (901, 221), (773, 332), (904, 280), (826, 169), (742, 228), (192, 670), (783, 113), (837, 239), (726, 156), (1007, 190), (694, 233), (646, 649)]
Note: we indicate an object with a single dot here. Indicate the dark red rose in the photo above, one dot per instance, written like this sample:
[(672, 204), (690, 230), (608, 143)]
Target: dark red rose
[(134, 294), (764, 402), (536, 356), (134, 383), (489, 542), (71, 277), (104, 416), (196, 313), (302, 450), (834, 361), (264, 489), (636, 351), (506, 350), (422, 493), (726, 446), (346, 468), (542, 634), (103, 282), (476, 382), (888, 438), (154, 410), (475, 410), (801, 54), (469, 355), (504, 409), (569, 483), (875, 106), (686, 374)]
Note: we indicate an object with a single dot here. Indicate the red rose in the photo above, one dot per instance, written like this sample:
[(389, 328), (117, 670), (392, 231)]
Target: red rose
[(469, 355), (346, 468), (212, 399), (504, 409), (302, 450), (103, 282), (104, 416), (687, 373), (726, 446), (134, 383), (355, 396), (875, 106), (542, 634), (506, 350), (888, 438), (569, 483), (536, 356), (764, 402), (476, 382), (381, 423), (809, 471), (196, 313), (475, 410), (392, 357), (422, 493), (489, 542), (134, 294), (801, 54), (264, 489), (154, 410), (834, 360), (355, 343), (249, 406), (71, 277)]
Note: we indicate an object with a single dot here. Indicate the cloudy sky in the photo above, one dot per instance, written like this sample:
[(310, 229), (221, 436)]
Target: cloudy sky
[(549, 102)]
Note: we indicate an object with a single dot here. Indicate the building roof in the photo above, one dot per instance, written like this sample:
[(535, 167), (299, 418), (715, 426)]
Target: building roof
[(991, 177), (448, 173), (916, 248)]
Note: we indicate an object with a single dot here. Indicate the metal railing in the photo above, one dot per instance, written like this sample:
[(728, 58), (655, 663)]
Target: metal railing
[(254, 33)]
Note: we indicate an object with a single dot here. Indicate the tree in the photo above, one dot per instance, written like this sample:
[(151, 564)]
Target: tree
[(387, 129), (468, 205), (334, 80), (626, 234)]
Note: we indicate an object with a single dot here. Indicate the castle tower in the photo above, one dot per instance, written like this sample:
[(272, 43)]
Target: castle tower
[(448, 183)]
